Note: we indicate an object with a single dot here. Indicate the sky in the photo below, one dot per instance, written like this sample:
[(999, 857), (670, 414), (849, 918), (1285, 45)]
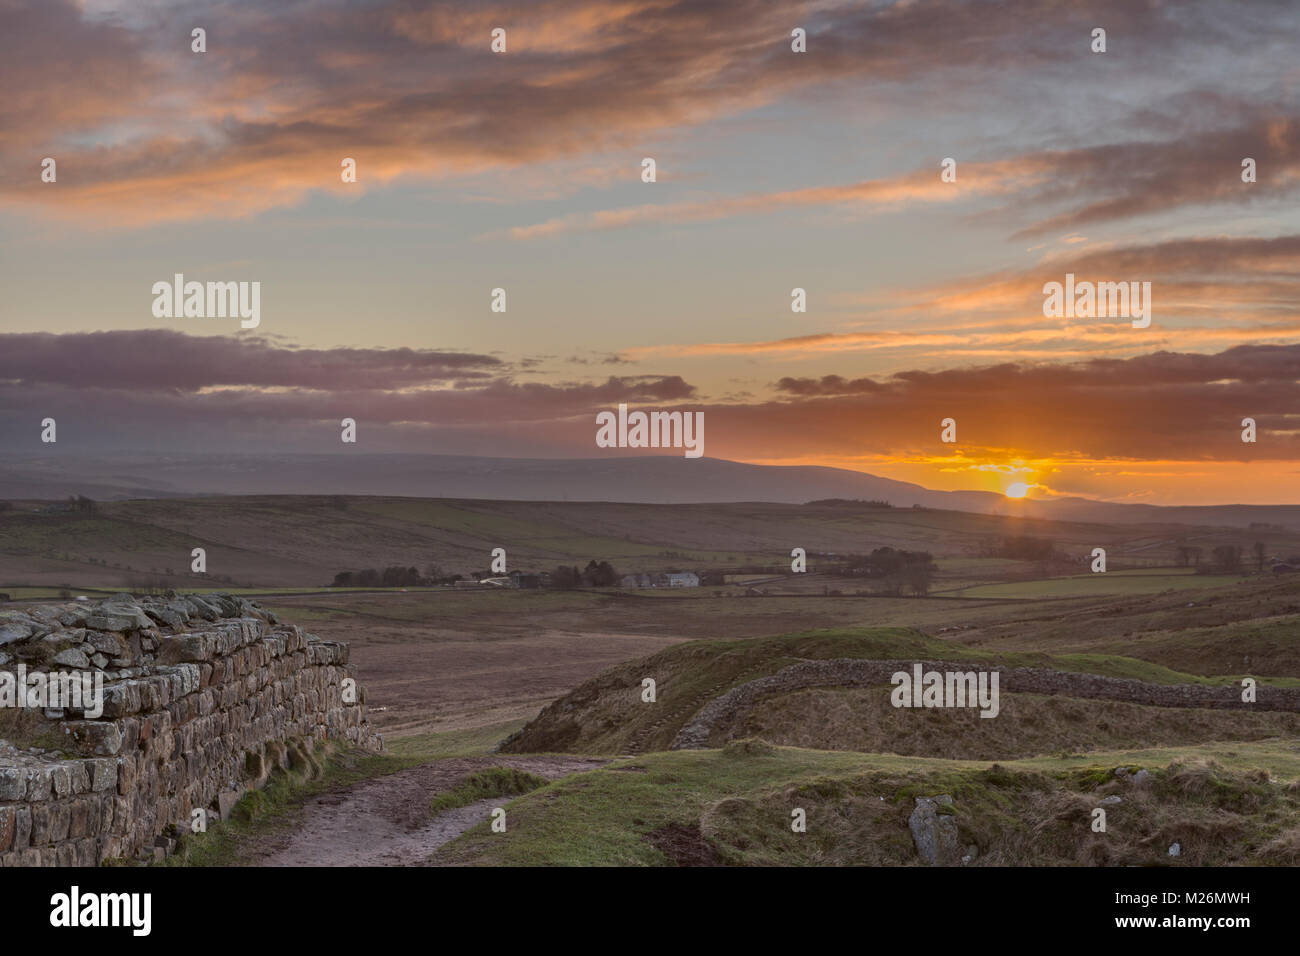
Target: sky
[(522, 170)]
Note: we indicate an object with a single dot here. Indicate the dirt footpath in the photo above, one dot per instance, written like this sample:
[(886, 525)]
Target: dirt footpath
[(386, 822)]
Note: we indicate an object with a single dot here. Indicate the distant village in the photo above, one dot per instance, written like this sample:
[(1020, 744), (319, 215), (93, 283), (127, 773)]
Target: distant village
[(885, 570), (669, 579), (596, 574)]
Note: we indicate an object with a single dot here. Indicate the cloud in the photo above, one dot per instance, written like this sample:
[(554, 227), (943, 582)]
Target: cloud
[(1158, 406), (1096, 184), (61, 72), (146, 130), (114, 388), (105, 391), (1196, 283), (148, 360), (1127, 180), (920, 186)]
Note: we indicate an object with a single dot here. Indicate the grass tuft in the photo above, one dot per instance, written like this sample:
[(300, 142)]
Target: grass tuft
[(483, 784)]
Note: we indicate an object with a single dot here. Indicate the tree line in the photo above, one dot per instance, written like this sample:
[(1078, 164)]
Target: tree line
[(895, 570), (597, 574)]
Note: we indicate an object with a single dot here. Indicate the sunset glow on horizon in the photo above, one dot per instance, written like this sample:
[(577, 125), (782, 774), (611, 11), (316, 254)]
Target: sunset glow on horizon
[(804, 268)]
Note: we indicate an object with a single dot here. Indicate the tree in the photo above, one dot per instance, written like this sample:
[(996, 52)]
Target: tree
[(600, 575), (565, 578), (396, 576), (1227, 557), (898, 570), (1260, 549), (918, 578), (1027, 548)]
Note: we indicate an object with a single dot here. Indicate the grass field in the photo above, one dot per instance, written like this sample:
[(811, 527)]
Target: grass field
[(447, 660), (1099, 585), (1227, 803), (303, 541), (607, 715), (451, 672)]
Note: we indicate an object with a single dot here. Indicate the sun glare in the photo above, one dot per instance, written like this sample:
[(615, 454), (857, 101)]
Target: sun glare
[(1017, 490)]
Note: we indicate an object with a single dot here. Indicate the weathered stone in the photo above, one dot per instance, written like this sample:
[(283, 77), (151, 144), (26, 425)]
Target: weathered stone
[(186, 647), (8, 827), (168, 615), (103, 775), (94, 737), (226, 801), (40, 785), (173, 736), (106, 643), (73, 616), (13, 632), (202, 608), (13, 783), (71, 658), (935, 831), (23, 828), (118, 617)]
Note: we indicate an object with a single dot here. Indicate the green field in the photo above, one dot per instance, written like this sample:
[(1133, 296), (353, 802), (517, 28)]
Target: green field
[(734, 804)]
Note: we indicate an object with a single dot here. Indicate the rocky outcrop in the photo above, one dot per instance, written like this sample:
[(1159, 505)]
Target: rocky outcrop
[(203, 696), (853, 672), (934, 831)]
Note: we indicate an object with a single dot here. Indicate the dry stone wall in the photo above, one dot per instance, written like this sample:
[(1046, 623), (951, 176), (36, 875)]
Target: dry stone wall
[(852, 672), (203, 697)]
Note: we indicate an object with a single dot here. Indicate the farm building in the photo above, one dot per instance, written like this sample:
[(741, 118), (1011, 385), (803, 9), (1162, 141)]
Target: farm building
[(685, 579)]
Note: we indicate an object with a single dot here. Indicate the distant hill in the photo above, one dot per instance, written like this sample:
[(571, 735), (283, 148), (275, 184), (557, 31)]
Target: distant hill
[(647, 479), (304, 540)]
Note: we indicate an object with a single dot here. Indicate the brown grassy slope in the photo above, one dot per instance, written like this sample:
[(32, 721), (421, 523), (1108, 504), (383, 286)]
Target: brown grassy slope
[(863, 719), (609, 714), (1252, 628)]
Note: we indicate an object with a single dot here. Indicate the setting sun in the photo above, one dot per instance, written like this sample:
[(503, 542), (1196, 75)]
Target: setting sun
[(1017, 490)]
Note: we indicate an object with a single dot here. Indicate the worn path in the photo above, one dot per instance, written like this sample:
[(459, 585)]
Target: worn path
[(386, 821)]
